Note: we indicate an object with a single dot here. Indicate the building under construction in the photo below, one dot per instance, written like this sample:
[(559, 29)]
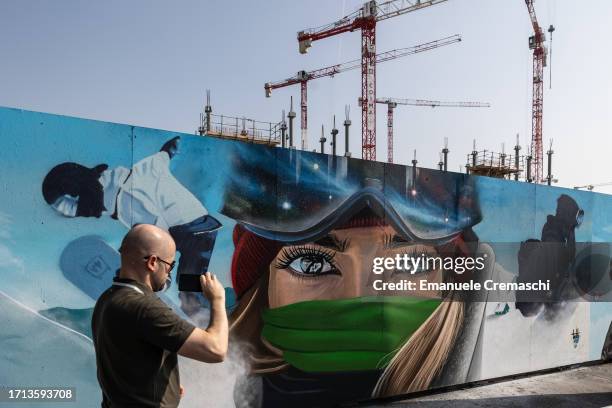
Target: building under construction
[(484, 163)]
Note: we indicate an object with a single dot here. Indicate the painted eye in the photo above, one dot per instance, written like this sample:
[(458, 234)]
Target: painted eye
[(311, 265), (306, 261)]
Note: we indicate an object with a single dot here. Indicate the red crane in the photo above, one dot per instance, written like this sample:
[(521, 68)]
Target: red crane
[(536, 43), (302, 77), (365, 19), (393, 102)]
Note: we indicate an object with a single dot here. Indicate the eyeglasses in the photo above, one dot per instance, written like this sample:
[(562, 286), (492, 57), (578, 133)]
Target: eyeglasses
[(170, 264)]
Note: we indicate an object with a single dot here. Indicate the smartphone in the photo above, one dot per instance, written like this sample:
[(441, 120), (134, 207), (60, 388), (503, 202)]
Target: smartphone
[(189, 283)]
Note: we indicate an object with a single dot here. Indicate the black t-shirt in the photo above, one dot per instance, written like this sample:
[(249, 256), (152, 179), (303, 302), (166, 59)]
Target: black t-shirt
[(136, 337)]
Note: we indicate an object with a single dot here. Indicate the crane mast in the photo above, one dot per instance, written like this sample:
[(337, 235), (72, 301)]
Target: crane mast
[(536, 43), (364, 19)]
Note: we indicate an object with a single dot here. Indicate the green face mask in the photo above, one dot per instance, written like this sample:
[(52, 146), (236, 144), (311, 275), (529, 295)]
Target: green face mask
[(344, 335)]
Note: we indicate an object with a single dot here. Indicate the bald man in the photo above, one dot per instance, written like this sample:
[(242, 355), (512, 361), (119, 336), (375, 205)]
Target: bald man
[(137, 336)]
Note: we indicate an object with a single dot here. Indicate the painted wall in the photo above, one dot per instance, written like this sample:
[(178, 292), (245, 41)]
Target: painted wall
[(294, 235)]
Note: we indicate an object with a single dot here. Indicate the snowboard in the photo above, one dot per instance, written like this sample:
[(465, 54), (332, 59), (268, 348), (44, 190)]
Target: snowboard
[(90, 264)]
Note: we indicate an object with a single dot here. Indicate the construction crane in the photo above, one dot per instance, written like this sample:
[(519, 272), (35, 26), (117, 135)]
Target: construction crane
[(364, 19), (303, 77), (590, 187), (393, 102), (536, 43)]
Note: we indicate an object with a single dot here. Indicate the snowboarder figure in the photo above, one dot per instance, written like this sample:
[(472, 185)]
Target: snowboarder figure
[(550, 258), (147, 193)]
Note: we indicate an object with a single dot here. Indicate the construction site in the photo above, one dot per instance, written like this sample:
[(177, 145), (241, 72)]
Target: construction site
[(414, 216), (526, 164)]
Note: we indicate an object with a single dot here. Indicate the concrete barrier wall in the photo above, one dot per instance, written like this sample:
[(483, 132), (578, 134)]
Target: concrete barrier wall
[(292, 236)]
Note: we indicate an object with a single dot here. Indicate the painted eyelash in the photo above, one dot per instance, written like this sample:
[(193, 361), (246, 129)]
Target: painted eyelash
[(386, 240), (390, 242), (345, 243), (288, 255)]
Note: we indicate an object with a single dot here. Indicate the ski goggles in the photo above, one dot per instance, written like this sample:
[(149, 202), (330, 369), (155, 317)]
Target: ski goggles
[(295, 196)]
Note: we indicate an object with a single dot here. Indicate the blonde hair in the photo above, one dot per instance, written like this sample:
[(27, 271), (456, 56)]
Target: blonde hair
[(421, 358), (245, 326), (413, 368)]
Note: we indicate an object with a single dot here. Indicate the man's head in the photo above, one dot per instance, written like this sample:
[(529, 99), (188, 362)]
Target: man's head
[(147, 255)]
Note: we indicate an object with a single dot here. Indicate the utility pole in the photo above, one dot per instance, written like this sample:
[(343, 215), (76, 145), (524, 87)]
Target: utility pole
[(334, 133), (517, 149), (445, 153), (322, 140), (529, 158), (291, 116), (414, 172), (550, 154), (347, 124), (283, 131)]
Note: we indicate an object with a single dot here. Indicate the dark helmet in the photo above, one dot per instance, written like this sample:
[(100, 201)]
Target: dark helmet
[(76, 180), (568, 211)]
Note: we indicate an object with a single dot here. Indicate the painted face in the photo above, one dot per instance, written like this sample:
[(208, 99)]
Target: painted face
[(339, 266), (66, 205)]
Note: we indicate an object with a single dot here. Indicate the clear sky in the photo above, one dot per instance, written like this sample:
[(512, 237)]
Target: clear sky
[(149, 62)]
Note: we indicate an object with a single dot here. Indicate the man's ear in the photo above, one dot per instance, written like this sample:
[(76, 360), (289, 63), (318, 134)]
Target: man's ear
[(100, 168), (151, 263)]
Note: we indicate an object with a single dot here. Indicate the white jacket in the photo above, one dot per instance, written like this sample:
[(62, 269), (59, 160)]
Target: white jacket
[(149, 194)]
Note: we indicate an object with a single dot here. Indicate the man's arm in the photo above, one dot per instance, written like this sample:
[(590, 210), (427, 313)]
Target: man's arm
[(210, 345)]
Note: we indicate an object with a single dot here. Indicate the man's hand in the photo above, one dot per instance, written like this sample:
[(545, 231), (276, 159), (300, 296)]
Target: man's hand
[(171, 146), (210, 345), (212, 288)]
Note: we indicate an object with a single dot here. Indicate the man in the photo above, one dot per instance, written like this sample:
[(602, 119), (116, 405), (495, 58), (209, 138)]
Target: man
[(137, 336)]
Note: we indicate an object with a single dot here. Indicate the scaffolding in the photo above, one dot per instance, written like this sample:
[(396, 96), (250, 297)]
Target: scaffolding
[(492, 164), (244, 129)]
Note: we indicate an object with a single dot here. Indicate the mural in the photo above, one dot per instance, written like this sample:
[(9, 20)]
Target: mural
[(146, 193), (293, 236)]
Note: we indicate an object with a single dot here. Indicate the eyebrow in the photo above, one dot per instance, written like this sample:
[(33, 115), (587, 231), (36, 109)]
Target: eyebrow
[(395, 241), (331, 241)]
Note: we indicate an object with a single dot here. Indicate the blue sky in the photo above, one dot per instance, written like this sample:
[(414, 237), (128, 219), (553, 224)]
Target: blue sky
[(149, 62)]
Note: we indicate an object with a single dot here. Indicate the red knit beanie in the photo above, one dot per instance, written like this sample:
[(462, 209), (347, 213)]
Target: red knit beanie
[(252, 257)]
